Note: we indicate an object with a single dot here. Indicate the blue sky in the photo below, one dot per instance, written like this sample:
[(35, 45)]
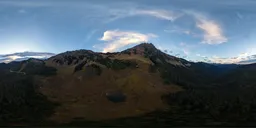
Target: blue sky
[(199, 30)]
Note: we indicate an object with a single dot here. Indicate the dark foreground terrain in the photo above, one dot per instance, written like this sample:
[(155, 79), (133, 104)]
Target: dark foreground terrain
[(141, 86)]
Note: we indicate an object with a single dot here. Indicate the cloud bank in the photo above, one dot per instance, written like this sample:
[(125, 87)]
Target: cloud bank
[(116, 39), (24, 56), (243, 58)]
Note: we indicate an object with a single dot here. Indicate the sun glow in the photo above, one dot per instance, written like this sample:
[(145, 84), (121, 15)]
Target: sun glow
[(19, 47)]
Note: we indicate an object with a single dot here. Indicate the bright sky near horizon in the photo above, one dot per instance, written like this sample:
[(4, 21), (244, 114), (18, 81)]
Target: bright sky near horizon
[(221, 31)]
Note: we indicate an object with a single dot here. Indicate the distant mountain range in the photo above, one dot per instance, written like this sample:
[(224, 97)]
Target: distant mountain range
[(24, 56), (251, 61)]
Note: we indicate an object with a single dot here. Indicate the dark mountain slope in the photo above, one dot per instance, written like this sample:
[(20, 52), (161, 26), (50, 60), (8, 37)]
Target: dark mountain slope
[(20, 100), (86, 81), (177, 70), (140, 86), (244, 76)]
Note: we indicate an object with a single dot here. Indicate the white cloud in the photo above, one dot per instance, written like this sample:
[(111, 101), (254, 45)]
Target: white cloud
[(161, 14), (116, 39), (11, 58), (213, 33)]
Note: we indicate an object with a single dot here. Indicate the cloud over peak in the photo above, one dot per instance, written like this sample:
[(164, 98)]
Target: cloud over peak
[(116, 39)]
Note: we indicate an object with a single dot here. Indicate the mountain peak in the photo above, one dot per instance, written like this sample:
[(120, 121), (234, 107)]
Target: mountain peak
[(146, 45), (141, 49)]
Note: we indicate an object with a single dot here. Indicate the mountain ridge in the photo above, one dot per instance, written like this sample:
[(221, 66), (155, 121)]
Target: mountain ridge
[(45, 55)]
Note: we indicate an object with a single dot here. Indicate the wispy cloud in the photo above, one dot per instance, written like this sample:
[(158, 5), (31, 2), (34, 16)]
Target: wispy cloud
[(202, 56), (213, 33), (104, 12), (187, 32), (119, 13), (90, 34), (186, 52), (161, 14), (116, 39)]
